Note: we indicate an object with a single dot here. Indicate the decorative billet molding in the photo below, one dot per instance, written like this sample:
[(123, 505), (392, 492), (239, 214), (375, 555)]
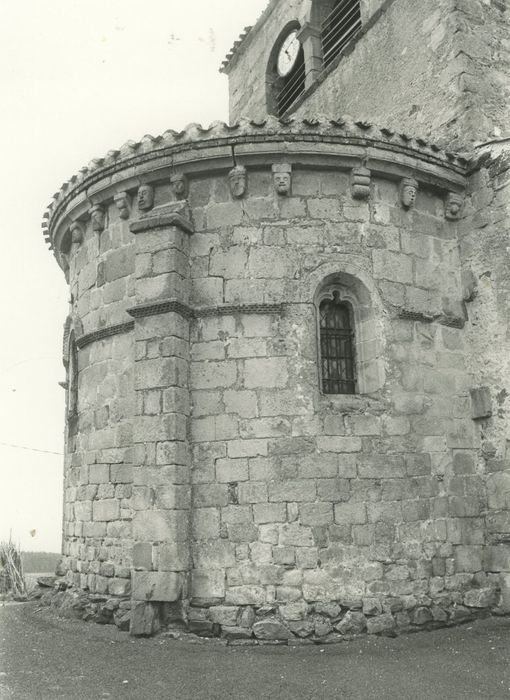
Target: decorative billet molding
[(174, 306), (451, 321), (160, 307), (231, 309), (103, 333)]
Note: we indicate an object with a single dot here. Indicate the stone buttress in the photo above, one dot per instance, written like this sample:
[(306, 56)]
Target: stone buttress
[(211, 482)]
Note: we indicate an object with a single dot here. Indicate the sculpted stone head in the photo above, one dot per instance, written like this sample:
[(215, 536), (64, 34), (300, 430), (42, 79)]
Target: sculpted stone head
[(145, 197), (76, 233), (282, 178), (454, 204), (408, 192), (97, 216), (237, 178), (123, 202), (179, 183)]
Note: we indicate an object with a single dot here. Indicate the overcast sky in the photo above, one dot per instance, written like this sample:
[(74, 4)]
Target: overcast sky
[(78, 78)]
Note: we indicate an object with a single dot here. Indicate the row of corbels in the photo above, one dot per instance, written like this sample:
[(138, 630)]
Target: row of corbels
[(343, 125), (408, 191), (238, 181)]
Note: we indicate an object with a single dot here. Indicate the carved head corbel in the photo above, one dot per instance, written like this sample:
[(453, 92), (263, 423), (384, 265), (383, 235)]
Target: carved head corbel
[(123, 202), (360, 183), (145, 197), (97, 215), (453, 206), (282, 178), (76, 233), (179, 184), (408, 192), (237, 178)]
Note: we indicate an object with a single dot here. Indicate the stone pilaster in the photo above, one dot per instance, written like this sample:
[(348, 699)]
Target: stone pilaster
[(310, 37), (162, 492)]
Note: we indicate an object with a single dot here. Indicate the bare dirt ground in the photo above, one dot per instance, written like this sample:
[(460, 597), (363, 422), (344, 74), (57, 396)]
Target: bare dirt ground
[(45, 658)]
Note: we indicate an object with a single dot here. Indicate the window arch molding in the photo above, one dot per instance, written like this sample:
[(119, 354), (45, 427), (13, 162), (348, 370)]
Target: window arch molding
[(73, 329), (281, 93), (355, 289)]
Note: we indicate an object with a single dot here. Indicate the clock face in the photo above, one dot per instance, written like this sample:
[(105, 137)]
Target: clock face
[(288, 54)]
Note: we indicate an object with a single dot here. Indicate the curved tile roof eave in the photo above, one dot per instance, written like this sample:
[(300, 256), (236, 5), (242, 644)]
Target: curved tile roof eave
[(218, 133)]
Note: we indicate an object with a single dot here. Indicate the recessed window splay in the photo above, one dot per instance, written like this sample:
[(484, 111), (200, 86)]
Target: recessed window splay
[(337, 346)]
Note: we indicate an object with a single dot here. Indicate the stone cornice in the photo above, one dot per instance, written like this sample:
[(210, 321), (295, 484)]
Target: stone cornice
[(442, 319), (102, 333), (175, 306), (198, 149), (160, 307)]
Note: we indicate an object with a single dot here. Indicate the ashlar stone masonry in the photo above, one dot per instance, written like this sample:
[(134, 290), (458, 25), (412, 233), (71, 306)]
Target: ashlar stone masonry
[(213, 482)]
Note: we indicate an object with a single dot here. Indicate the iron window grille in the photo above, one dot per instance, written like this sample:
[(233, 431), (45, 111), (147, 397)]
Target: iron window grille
[(339, 28), (292, 86), (337, 346)]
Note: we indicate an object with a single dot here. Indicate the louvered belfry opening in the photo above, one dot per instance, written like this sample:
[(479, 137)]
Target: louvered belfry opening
[(293, 85), (339, 27), (337, 346)]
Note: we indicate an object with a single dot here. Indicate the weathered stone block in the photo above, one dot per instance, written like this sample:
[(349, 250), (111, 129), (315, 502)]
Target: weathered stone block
[(316, 513), (504, 582), (480, 598), (265, 372), (339, 444), (210, 495), (231, 470), (144, 620), (481, 402), (208, 584), (350, 513), (206, 523), (245, 595), (352, 623), (252, 492), (269, 513), (271, 629), (381, 624), (106, 510), (174, 556), (142, 556), (156, 586), (216, 554), (298, 490), (160, 526), (468, 558)]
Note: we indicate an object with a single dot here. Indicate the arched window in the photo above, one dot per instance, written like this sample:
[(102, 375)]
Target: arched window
[(350, 332), (286, 71), (336, 329)]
